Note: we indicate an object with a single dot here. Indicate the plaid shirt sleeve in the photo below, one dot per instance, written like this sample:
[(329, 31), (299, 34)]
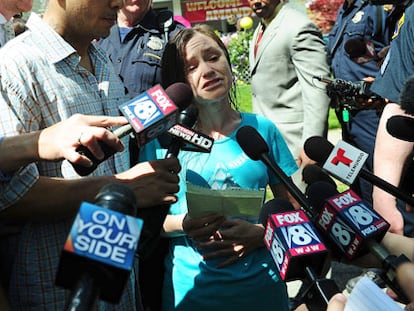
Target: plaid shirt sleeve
[(17, 185)]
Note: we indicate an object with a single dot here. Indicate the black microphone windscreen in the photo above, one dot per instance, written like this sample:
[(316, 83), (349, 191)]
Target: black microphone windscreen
[(401, 127), (407, 96), (188, 116), (181, 94), (318, 148), (318, 192), (274, 206), (355, 47), (312, 173), (251, 142), (117, 197)]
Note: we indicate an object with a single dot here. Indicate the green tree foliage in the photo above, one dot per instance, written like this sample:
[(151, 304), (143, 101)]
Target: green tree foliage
[(238, 47)]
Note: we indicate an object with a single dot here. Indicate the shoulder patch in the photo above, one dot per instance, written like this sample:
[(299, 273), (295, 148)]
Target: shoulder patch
[(398, 27)]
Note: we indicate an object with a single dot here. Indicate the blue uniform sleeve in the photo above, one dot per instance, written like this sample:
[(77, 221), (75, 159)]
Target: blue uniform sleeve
[(399, 63)]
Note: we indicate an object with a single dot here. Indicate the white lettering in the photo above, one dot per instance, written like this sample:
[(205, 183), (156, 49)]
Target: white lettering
[(162, 100), (325, 219), (344, 199), (104, 218), (290, 218)]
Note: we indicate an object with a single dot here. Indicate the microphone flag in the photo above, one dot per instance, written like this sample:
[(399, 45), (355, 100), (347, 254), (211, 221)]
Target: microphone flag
[(294, 243), (150, 114), (104, 235), (345, 162)]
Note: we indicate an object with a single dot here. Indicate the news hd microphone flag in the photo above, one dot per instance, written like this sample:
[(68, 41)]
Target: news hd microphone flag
[(192, 140), (294, 244)]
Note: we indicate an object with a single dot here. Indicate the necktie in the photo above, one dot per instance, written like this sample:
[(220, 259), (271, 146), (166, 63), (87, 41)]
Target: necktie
[(259, 38)]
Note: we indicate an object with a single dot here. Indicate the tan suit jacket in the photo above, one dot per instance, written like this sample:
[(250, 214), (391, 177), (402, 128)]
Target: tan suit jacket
[(291, 52)]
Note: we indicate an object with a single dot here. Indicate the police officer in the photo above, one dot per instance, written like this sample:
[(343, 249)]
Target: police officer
[(135, 46), (358, 35), (391, 154), (136, 43)]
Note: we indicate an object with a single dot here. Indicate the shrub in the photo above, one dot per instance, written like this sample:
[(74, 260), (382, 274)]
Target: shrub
[(323, 13), (238, 47)]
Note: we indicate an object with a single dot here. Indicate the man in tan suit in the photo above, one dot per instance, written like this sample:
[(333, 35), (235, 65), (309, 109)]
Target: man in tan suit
[(290, 52)]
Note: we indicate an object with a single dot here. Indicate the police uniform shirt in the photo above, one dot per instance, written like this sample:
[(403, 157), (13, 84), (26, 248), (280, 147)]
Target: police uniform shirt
[(399, 63), (136, 53), (360, 21)]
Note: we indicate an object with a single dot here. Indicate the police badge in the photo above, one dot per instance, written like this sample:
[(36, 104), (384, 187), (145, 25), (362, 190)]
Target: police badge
[(358, 17), (155, 43)]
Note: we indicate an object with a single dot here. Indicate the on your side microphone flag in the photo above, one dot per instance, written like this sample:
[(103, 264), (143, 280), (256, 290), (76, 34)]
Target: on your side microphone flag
[(104, 235), (150, 114), (294, 244), (101, 243), (345, 162)]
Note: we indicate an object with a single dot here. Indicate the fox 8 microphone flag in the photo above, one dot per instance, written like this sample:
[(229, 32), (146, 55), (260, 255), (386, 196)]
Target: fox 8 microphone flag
[(349, 222), (150, 114), (293, 242)]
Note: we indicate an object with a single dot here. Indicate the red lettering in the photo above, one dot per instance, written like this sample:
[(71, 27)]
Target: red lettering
[(341, 158)]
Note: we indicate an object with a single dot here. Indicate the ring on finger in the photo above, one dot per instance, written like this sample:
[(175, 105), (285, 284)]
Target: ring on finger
[(80, 138)]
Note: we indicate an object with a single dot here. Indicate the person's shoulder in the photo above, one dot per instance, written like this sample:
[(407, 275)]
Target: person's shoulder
[(113, 34), (20, 49), (298, 21), (296, 13), (256, 120), (410, 10)]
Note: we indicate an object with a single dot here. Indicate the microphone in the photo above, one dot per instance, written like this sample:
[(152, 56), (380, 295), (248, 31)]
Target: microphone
[(401, 127), (256, 148), (293, 242), (360, 51), (297, 251), (149, 114), (407, 96), (354, 228), (274, 206), (192, 140), (187, 118), (345, 162), (345, 219), (99, 252), (312, 173), (347, 89), (154, 217)]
